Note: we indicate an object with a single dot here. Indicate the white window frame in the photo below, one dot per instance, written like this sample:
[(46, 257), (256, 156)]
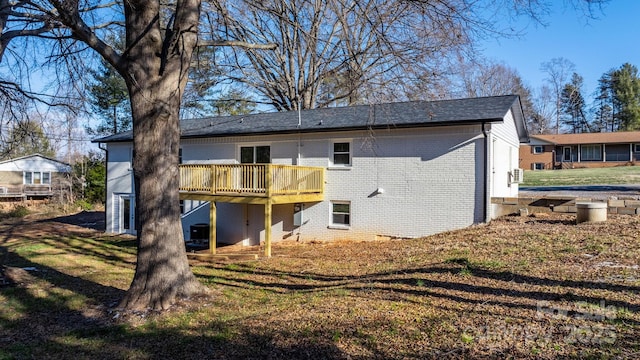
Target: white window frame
[(335, 225), (32, 176), (636, 147), (538, 166), (332, 153), (536, 147), (590, 149)]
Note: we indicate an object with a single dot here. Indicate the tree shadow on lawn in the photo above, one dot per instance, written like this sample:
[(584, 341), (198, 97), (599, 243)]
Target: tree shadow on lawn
[(45, 324), (88, 219), (416, 282)]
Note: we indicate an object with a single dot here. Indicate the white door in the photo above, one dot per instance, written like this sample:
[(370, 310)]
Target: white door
[(124, 209), (254, 224)]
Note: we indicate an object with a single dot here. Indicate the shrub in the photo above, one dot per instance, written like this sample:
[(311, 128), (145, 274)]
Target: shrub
[(19, 212)]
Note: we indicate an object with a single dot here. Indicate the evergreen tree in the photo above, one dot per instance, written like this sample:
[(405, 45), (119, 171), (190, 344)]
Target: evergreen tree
[(604, 119), (88, 178), (626, 90), (26, 138), (110, 100)]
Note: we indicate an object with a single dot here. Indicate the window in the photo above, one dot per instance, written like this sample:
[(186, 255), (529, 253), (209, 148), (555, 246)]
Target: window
[(341, 153), (538, 149), (341, 213), (590, 153), (37, 178), (538, 166), (636, 148), (255, 154)]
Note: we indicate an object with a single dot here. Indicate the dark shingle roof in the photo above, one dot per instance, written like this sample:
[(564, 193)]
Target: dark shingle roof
[(390, 115)]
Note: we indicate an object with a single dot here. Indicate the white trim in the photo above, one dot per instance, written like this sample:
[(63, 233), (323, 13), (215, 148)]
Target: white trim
[(538, 146), (118, 213), (41, 173)]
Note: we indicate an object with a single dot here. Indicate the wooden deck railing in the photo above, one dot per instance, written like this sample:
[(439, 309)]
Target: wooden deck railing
[(251, 179)]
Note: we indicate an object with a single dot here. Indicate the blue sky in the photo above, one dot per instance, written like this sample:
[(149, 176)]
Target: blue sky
[(593, 45)]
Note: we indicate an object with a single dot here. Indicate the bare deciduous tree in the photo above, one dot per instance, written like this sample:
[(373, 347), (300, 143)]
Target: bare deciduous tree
[(340, 52), (558, 71)]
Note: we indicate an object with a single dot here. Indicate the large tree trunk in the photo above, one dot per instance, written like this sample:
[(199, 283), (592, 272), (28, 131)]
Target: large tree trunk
[(156, 78)]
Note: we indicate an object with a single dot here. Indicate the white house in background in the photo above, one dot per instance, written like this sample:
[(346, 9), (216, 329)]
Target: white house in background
[(32, 176), (397, 170)]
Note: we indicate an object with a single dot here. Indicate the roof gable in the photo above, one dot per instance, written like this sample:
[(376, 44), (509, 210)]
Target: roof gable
[(34, 162), (377, 116)]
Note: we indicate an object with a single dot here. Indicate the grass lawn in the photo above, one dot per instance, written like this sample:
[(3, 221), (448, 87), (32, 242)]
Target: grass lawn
[(534, 287), (596, 176)]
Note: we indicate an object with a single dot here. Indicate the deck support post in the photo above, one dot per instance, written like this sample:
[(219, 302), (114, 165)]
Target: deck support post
[(267, 228), (267, 210), (212, 227)]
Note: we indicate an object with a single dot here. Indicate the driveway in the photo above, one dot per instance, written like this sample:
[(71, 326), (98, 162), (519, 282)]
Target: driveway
[(602, 192)]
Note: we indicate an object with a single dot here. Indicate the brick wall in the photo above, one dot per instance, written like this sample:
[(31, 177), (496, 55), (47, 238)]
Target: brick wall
[(528, 158)]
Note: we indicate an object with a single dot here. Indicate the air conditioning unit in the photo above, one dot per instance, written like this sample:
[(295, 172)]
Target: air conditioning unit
[(517, 176)]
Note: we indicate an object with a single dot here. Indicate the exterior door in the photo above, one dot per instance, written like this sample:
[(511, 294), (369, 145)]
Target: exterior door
[(124, 208), (254, 224), (566, 153)]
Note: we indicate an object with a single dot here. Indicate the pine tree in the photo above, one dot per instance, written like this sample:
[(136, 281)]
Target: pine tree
[(605, 119), (626, 88), (110, 100), (26, 138)]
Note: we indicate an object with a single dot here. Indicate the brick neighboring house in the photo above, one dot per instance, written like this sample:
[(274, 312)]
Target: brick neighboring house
[(364, 172), (588, 150)]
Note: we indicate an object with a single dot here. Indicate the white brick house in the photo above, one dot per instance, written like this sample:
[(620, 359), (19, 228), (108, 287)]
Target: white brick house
[(389, 170)]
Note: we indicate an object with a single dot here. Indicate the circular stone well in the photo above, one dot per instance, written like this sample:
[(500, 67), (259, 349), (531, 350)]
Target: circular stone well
[(591, 212)]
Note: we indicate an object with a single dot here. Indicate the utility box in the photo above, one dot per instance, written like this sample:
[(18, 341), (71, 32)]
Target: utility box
[(199, 233), (298, 214)]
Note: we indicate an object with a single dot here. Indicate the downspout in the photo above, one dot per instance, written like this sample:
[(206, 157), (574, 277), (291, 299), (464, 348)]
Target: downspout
[(106, 164), (486, 201)]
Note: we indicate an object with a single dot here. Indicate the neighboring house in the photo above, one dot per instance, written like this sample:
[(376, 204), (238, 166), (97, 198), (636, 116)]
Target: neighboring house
[(397, 170), (32, 177), (567, 151)]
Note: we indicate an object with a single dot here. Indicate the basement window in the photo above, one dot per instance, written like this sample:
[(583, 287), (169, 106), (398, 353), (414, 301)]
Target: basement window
[(340, 214)]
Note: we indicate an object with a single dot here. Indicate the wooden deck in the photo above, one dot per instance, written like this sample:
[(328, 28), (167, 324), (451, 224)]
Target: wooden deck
[(266, 184), (252, 183), (24, 191)]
